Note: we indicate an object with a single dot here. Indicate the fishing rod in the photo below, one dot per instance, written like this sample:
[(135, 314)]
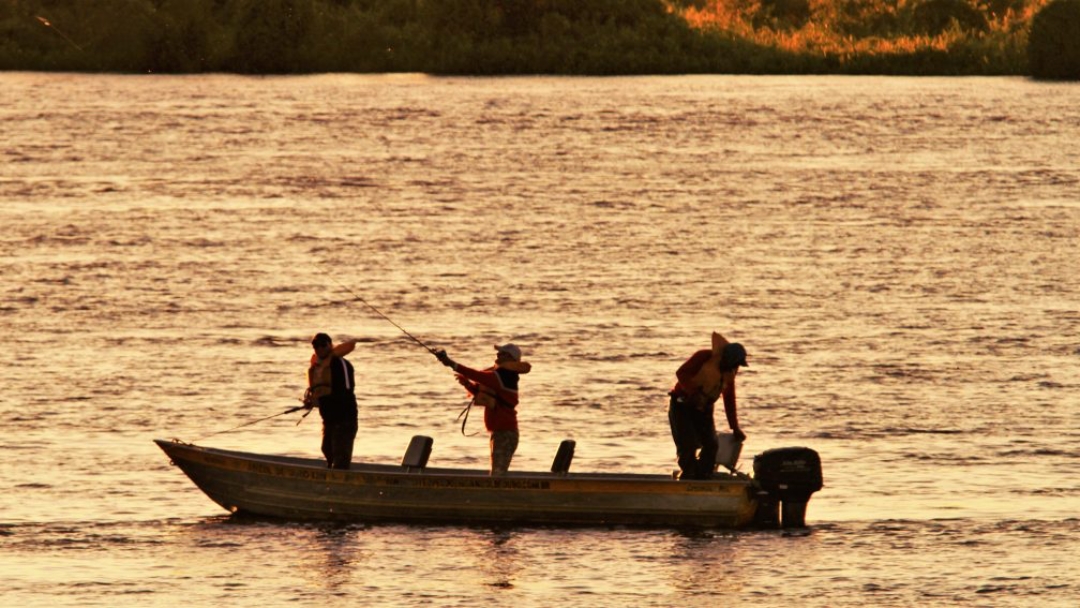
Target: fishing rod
[(379, 312), (464, 415), (465, 412), (240, 426)]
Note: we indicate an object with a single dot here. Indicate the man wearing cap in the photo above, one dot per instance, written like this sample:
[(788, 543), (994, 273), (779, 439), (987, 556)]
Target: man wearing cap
[(704, 377), (496, 389), (331, 387)]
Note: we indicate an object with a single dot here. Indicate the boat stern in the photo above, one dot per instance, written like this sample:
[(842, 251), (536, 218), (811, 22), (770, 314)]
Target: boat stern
[(784, 479)]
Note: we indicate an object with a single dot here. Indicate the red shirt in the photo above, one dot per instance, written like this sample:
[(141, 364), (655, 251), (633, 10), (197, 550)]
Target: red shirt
[(500, 383), (683, 388)]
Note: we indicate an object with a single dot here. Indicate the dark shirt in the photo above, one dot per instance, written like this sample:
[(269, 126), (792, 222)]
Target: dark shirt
[(340, 404)]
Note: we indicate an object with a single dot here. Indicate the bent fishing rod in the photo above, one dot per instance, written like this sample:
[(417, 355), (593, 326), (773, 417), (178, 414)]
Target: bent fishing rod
[(465, 412), (306, 406), (379, 312)]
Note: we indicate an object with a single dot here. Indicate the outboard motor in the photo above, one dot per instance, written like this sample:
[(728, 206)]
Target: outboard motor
[(786, 477)]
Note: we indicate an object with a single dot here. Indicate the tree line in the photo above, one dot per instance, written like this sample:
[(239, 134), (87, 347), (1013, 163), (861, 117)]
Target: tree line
[(571, 37)]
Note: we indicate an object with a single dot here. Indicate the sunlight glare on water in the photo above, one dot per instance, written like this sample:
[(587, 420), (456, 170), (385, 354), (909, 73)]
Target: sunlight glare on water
[(898, 256)]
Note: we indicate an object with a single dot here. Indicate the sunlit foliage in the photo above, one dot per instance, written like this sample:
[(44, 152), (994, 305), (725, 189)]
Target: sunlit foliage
[(947, 37)]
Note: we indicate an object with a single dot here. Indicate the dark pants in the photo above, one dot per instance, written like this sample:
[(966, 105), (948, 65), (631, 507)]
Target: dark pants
[(693, 429), (337, 442)]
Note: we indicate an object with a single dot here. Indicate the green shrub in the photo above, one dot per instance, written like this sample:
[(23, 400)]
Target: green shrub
[(1054, 42)]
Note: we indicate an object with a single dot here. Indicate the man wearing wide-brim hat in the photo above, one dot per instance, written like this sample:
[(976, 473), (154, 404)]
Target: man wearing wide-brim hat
[(496, 389)]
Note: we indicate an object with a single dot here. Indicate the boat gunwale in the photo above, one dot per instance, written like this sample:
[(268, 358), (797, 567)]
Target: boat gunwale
[(361, 468)]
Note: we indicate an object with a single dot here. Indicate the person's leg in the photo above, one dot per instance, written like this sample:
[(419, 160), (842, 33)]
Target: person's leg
[(343, 444), (706, 432), (327, 445), (685, 436), (342, 434), (503, 446)]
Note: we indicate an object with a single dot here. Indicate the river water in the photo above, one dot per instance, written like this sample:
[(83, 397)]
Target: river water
[(899, 256)]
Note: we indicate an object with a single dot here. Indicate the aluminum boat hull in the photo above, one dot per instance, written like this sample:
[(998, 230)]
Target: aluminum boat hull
[(304, 489)]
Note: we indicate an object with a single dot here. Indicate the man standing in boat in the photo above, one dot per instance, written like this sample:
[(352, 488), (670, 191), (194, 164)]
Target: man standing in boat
[(496, 389), (706, 376), (331, 387)]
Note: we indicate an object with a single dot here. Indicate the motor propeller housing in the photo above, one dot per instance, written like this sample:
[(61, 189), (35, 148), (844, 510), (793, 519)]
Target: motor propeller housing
[(785, 479)]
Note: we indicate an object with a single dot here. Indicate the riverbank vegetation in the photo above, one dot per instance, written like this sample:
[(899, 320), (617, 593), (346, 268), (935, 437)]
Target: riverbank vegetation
[(602, 37)]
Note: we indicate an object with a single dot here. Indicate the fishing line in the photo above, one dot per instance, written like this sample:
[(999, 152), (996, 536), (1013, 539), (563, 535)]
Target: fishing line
[(300, 407), (52, 27), (465, 413), (379, 312), (240, 426)]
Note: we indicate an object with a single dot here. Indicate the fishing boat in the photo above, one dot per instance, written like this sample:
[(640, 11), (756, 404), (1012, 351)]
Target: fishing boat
[(304, 489)]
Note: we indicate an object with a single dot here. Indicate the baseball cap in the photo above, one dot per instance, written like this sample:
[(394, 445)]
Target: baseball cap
[(733, 355), (510, 349)]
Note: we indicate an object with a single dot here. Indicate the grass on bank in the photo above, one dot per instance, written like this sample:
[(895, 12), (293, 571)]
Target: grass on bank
[(946, 37)]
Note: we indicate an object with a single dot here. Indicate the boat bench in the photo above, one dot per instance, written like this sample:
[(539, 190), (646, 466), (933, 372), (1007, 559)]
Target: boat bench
[(561, 464), (417, 454), (419, 450)]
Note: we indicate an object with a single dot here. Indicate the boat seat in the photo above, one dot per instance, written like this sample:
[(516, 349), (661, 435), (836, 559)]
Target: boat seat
[(561, 465), (416, 455)]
